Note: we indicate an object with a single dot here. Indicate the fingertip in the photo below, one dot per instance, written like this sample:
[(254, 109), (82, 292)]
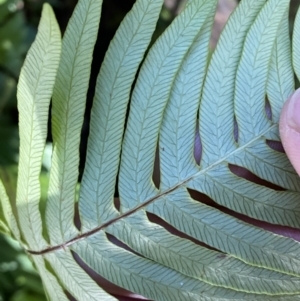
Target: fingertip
[(289, 127)]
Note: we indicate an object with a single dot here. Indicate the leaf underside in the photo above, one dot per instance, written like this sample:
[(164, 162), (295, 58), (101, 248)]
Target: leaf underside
[(230, 102), (34, 92)]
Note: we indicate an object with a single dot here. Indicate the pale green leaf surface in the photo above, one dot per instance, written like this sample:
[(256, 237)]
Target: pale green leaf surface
[(149, 99), (53, 288), (228, 234), (151, 279), (268, 164), (68, 108), (249, 100), (154, 242), (296, 45), (3, 204), (34, 92), (75, 279), (109, 110), (281, 76), (216, 107), (4, 227), (176, 142), (8, 176), (240, 195), (9, 222)]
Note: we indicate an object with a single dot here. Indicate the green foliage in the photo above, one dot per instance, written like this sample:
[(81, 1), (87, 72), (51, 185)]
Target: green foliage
[(15, 39), (34, 91), (176, 83)]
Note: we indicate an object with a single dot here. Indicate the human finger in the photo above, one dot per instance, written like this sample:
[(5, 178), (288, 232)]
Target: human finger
[(290, 129)]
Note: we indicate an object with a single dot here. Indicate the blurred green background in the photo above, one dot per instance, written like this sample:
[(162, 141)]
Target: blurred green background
[(18, 26)]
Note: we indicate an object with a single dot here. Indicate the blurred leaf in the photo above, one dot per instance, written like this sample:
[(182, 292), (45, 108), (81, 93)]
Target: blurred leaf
[(13, 40), (3, 227), (8, 90), (9, 141), (9, 217), (24, 295)]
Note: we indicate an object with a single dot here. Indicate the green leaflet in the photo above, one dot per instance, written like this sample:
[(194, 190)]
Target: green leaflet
[(34, 92), (250, 86), (216, 108), (8, 220), (176, 141), (151, 279), (296, 45), (281, 76), (267, 163), (52, 288), (3, 227), (228, 234), (139, 275), (154, 242), (74, 279), (67, 117), (240, 195), (109, 110), (149, 99), (3, 224)]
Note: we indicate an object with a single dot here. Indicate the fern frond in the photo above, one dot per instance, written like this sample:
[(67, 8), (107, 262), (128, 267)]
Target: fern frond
[(8, 220), (176, 141), (3, 226), (154, 242), (74, 279), (151, 279), (216, 107), (253, 70), (109, 109), (268, 163), (67, 117), (34, 92), (177, 207), (53, 289), (149, 99), (176, 85), (281, 76), (228, 234)]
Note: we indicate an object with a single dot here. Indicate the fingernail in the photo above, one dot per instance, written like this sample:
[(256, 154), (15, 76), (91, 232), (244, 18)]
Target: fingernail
[(293, 111)]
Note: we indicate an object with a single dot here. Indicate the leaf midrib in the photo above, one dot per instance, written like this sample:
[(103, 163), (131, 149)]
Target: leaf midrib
[(151, 200), (65, 136)]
